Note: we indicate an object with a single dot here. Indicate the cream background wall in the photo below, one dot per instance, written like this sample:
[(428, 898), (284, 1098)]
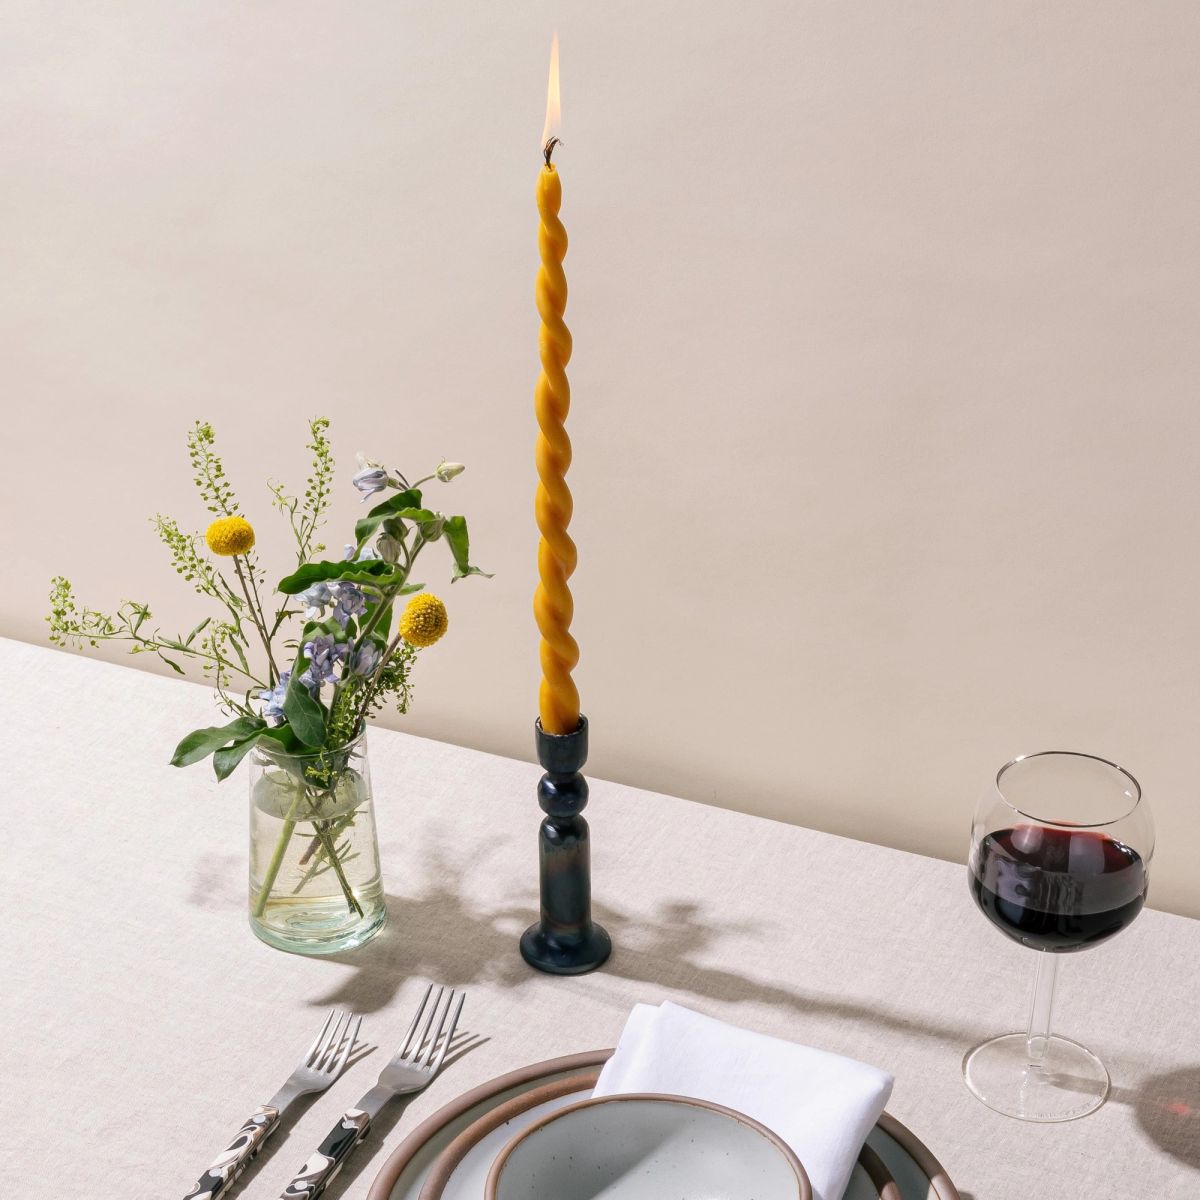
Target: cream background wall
[(885, 382)]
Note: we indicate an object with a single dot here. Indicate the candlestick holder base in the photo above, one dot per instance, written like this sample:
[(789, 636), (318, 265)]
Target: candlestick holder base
[(565, 941)]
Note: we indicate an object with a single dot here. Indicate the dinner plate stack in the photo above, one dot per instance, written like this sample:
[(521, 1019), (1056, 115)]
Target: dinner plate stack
[(450, 1155)]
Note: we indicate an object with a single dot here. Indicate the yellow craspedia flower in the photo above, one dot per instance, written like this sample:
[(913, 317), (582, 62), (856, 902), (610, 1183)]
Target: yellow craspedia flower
[(230, 535), (423, 621)]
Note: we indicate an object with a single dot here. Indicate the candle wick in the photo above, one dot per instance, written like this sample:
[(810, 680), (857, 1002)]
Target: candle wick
[(548, 149)]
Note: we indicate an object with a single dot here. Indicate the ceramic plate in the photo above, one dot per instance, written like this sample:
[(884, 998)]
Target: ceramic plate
[(461, 1169), (464, 1137), (646, 1147)]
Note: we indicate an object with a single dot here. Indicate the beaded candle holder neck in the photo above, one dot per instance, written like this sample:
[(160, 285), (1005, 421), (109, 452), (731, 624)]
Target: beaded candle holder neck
[(565, 941)]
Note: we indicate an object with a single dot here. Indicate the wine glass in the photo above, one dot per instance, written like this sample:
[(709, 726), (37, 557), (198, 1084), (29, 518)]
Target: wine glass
[(1060, 852)]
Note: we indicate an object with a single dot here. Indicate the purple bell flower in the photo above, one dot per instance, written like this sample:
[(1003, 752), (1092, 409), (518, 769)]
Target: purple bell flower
[(272, 699)]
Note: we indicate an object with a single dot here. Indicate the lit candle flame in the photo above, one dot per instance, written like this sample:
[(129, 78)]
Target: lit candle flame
[(553, 103)]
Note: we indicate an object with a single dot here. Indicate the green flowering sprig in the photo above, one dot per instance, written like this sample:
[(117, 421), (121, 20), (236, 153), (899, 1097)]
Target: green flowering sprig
[(74, 624), (209, 472), (190, 562), (307, 516)]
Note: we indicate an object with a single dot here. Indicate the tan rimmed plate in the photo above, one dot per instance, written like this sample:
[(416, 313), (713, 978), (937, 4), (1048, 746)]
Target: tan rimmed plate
[(462, 1167), (447, 1157), (646, 1146)]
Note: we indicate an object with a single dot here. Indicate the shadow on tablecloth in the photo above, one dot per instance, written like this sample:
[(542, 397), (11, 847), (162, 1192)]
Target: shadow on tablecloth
[(439, 935), (1167, 1108)]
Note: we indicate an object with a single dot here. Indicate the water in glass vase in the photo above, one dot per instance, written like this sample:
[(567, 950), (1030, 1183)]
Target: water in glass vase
[(315, 882)]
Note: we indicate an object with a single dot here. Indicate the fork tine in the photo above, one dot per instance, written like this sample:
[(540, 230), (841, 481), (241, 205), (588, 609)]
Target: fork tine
[(312, 1050), (426, 1056), (343, 1057), (332, 1042), (416, 1050), (415, 1022), (437, 1062)]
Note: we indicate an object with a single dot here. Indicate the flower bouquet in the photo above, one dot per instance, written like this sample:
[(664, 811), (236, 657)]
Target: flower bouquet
[(298, 677)]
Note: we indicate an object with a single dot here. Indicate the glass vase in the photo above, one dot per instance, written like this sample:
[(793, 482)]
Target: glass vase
[(315, 882)]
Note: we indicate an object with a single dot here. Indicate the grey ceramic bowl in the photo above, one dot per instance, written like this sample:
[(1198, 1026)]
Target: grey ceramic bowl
[(646, 1147)]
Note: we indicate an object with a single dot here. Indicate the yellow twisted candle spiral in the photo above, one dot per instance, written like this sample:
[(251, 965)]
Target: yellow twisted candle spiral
[(552, 603)]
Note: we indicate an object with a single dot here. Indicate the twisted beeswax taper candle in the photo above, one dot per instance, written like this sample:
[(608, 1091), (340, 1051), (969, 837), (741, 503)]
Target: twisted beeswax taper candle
[(552, 603)]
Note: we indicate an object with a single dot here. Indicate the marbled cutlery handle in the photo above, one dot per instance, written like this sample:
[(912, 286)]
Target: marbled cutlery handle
[(217, 1180), (316, 1174)]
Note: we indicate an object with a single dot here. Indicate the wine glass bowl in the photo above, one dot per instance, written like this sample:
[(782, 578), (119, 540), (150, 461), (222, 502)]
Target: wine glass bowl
[(1060, 852)]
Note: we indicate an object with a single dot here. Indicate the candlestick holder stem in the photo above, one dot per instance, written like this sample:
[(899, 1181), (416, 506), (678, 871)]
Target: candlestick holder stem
[(565, 941)]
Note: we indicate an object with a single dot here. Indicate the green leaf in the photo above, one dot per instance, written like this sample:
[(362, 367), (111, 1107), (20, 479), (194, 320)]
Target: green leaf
[(304, 714), (239, 650), (286, 738), (402, 505), (459, 573), (191, 637), (200, 743), (393, 504), (384, 626), (374, 571), (314, 629), (456, 534), (460, 546), (224, 761), (370, 523), (172, 664), (366, 526)]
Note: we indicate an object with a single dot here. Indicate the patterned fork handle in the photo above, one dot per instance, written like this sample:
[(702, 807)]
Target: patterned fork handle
[(316, 1174), (223, 1173)]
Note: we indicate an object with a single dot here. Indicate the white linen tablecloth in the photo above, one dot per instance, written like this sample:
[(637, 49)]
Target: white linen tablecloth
[(142, 1022)]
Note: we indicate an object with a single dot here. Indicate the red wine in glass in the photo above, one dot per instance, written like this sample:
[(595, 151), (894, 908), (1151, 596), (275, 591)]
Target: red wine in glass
[(1060, 854), (1057, 889)]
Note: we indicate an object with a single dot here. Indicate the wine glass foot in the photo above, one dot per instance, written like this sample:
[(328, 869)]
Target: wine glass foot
[(1068, 1081)]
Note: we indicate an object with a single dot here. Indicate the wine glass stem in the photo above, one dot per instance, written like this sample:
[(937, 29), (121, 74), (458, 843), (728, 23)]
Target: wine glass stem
[(1041, 1006)]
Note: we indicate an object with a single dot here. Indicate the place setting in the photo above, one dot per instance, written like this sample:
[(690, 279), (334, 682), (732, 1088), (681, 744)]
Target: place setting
[(685, 1105), (773, 1119)]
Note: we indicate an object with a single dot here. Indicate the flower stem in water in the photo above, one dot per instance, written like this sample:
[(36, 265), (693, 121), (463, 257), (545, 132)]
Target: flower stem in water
[(285, 836), (334, 861)]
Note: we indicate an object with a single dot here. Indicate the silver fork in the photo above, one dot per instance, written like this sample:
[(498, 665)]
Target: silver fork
[(324, 1062), (412, 1068)]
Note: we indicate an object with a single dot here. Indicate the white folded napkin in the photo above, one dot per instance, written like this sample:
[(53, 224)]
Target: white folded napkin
[(821, 1104)]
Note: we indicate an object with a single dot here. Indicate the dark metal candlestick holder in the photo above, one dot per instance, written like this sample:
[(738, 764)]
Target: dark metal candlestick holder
[(566, 941)]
